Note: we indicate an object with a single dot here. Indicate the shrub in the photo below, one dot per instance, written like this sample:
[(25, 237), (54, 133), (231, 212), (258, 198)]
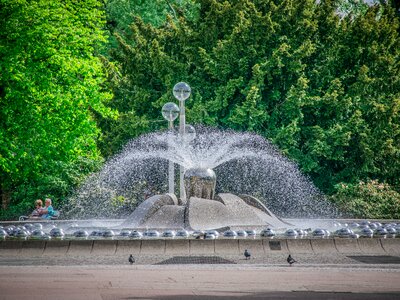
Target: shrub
[(371, 199)]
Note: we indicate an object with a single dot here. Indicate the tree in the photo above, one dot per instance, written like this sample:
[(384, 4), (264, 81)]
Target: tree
[(51, 84)]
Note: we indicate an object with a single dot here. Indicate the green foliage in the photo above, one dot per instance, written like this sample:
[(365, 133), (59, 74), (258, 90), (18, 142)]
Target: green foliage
[(121, 13), (370, 199), (50, 86)]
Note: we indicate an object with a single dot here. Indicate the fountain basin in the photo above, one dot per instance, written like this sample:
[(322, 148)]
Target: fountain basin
[(219, 246), (194, 244)]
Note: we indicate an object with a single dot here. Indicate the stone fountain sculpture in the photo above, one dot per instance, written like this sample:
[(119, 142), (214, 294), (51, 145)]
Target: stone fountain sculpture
[(203, 210)]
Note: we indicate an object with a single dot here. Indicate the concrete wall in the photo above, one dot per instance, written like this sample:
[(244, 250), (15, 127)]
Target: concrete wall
[(128, 247), (323, 245), (183, 247)]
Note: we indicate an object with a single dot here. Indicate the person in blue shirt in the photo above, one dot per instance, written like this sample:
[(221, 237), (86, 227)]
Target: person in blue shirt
[(48, 211)]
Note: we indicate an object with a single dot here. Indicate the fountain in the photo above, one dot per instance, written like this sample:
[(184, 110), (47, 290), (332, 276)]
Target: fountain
[(247, 166)]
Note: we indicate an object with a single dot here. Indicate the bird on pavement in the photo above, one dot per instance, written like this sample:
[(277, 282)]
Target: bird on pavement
[(247, 254), (131, 259), (290, 260)]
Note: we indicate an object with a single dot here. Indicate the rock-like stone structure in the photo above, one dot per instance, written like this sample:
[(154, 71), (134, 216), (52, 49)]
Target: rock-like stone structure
[(204, 210)]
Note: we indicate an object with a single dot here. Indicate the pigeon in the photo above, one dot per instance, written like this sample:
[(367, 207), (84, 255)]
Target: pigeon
[(290, 260), (247, 254), (131, 259), (201, 236)]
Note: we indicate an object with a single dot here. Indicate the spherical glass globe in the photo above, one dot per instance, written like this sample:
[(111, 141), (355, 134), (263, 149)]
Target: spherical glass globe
[(189, 135), (181, 91), (170, 111)]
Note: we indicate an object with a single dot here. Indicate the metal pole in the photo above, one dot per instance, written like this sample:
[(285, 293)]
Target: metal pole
[(182, 121), (171, 173)]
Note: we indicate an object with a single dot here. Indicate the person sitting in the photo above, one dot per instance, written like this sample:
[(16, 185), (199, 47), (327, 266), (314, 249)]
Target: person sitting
[(48, 211), (38, 208)]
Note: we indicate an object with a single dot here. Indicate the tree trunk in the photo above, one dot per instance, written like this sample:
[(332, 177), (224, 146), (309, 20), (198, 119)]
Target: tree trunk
[(5, 197)]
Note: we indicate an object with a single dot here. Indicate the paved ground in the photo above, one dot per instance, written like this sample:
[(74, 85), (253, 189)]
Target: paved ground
[(109, 279), (279, 260)]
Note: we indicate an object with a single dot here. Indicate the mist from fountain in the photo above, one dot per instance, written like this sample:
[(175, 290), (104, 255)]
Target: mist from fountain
[(245, 163)]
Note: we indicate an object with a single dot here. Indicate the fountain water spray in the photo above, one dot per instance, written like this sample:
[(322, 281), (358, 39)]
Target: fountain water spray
[(247, 164), (244, 163)]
